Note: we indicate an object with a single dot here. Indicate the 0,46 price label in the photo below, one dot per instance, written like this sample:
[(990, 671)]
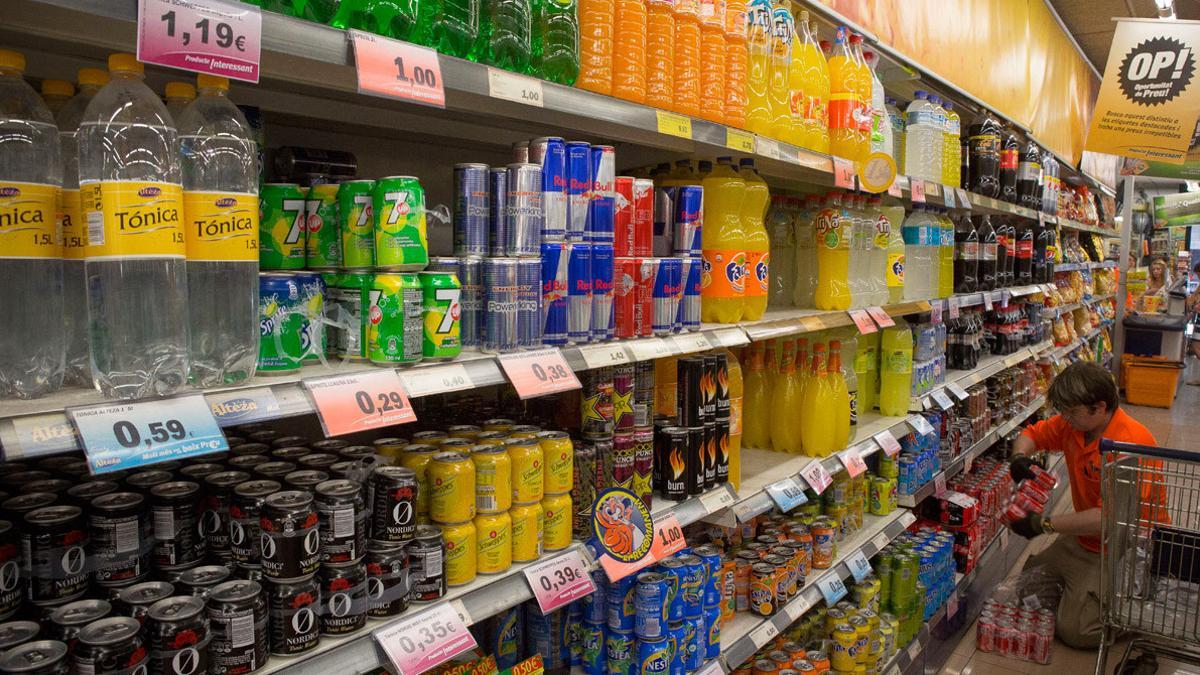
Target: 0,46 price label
[(360, 401), (540, 372), (421, 641), (395, 69), (559, 581), (203, 36), (130, 435)]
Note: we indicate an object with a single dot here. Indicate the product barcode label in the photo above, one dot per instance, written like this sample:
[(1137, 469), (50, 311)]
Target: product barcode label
[(126, 535), (164, 524), (343, 523), (95, 228), (485, 504), (241, 630)]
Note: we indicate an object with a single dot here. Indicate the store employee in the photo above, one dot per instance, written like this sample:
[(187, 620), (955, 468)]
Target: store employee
[(1086, 397)]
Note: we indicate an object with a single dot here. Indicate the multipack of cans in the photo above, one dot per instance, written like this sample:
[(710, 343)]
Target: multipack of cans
[(920, 456), (1017, 632)]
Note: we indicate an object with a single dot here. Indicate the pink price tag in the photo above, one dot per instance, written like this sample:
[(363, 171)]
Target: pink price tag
[(395, 69), (816, 476), (853, 462), (894, 189), (420, 641), (885, 439), (862, 320), (918, 191), (538, 373), (843, 173), (204, 36), (935, 311), (668, 538), (559, 581), (952, 307), (882, 318), (360, 401)]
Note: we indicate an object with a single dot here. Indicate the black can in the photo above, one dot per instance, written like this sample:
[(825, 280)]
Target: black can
[(354, 451), (122, 538), (249, 573), (178, 538), (427, 565), (709, 386), (244, 513), (342, 521), (723, 447), (13, 633), (78, 469), (135, 601), (112, 645), (274, 470), (145, 481), (198, 472), (199, 581), (172, 574), (14, 509), (334, 445), (54, 463), (237, 615), (305, 479), (247, 463), (57, 486), (250, 449), (695, 460), (175, 465), (218, 493), (288, 441), (82, 494), (19, 479), (318, 460), (387, 579), (290, 539), (349, 469), (66, 621), (55, 542), (177, 636), (690, 391), (343, 597), (12, 581), (292, 606), (43, 657), (263, 435), (290, 453), (392, 491), (710, 454), (671, 460)]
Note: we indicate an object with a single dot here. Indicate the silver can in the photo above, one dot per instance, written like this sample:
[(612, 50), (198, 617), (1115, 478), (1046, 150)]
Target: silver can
[(525, 210)]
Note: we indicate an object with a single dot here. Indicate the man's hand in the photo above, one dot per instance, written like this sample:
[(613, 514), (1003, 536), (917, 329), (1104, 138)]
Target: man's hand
[(1029, 527), (1018, 468)]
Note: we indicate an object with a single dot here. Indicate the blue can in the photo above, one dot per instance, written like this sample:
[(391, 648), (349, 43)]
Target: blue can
[(692, 585), (505, 637), (673, 570), (666, 293), (600, 220), (547, 635), (687, 221), (604, 170), (573, 635), (651, 603), (653, 656), (680, 635), (579, 294), (556, 257), (621, 651), (595, 606), (500, 304), (312, 326), (688, 318), (620, 604), (525, 212), (602, 293), (551, 153), (592, 638), (698, 647), (471, 209), (712, 622), (470, 277), (529, 303), (579, 188), (497, 210), (711, 558)]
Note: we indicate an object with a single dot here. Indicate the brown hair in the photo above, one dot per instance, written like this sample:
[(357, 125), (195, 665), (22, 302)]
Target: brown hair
[(1083, 383)]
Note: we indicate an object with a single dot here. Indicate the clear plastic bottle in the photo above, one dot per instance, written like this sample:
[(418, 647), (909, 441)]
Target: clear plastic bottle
[(56, 94), (881, 127), (951, 148), (783, 252), (921, 128), (556, 41), (32, 345), (806, 253), (758, 42), (937, 142), (783, 39), (178, 96), (880, 231), (895, 369), (137, 284), (918, 256), (219, 164), (859, 290), (896, 119)]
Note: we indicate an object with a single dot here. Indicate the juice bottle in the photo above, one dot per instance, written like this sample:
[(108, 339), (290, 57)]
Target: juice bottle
[(629, 51), (758, 245), (895, 369), (660, 54), (723, 240), (804, 82), (806, 253), (712, 60), (866, 371), (681, 174), (844, 136), (779, 73), (864, 96), (785, 398), (803, 362), (841, 407), (756, 398), (894, 255), (831, 237), (598, 21), (945, 254), (687, 58), (758, 44), (771, 363), (736, 411), (737, 63), (817, 425)]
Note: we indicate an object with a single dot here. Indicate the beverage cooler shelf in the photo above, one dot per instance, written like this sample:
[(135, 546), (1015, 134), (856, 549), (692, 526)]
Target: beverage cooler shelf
[(944, 394)]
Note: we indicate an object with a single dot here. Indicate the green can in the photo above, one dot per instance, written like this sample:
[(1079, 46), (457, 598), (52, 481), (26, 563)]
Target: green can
[(441, 309), (394, 319), (281, 318), (401, 242), (348, 307), (883, 495), (356, 224), (323, 239), (281, 231), (312, 304)]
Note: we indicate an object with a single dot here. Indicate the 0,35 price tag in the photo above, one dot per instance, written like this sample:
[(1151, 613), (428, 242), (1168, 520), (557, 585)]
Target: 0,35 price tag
[(399, 70), (360, 401), (862, 320), (559, 581), (816, 476), (203, 36), (882, 318), (515, 88), (787, 494), (853, 461), (859, 567), (832, 589), (436, 379), (130, 435), (885, 439), (539, 372), (843, 173), (420, 641)]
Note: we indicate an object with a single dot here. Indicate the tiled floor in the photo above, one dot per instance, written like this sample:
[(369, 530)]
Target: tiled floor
[(1178, 427)]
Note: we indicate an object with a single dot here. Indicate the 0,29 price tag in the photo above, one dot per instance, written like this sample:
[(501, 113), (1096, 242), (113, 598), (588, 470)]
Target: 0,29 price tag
[(540, 372), (399, 70), (853, 462), (515, 88), (816, 476), (862, 320), (859, 567), (558, 581), (203, 36), (420, 641), (436, 379), (885, 439), (130, 435), (832, 589), (360, 401), (787, 494)]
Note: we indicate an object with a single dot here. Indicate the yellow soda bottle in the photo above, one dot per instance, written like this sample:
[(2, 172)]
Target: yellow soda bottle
[(758, 44), (779, 72), (736, 400), (758, 254), (809, 82), (816, 424), (803, 361), (681, 174), (866, 368), (784, 400), (895, 369), (723, 244), (841, 397), (864, 85), (755, 402), (844, 136), (831, 237)]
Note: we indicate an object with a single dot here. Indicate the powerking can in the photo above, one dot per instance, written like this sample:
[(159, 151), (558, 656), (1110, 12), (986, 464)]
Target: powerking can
[(441, 309), (529, 303), (394, 319), (357, 224), (525, 212), (579, 188), (551, 153), (177, 636), (237, 612), (387, 579), (343, 597), (292, 606), (291, 539), (401, 242), (470, 209), (280, 324), (500, 305), (602, 292), (281, 227), (556, 257), (323, 244)]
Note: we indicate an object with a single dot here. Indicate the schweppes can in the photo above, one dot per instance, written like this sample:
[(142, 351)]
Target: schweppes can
[(556, 530), (529, 523), (461, 547), (528, 483), (451, 488), (493, 532)]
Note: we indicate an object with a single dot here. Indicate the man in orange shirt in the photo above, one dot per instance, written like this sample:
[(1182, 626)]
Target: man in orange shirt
[(1086, 397)]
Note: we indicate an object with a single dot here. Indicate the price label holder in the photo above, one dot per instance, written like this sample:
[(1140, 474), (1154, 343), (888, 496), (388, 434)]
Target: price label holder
[(787, 494), (939, 485), (763, 634), (882, 318), (816, 476), (606, 354), (942, 400), (767, 147), (516, 88), (987, 301), (952, 307), (39, 435), (964, 198), (436, 379), (885, 439), (539, 372), (880, 541), (920, 424), (713, 668), (121, 436), (715, 500), (742, 141), (894, 189), (935, 311), (853, 462), (843, 173), (204, 36), (559, 580), (918, 191), (418, 642), (690, 342), (360, 401), (862, 320), (968, 462), (674, 124), (832, 588), (958, 392), (914, 650), (933, 189), (240, 406), (948, 198), (859, 567), (399, 70), (728, 337), (952, 605), (649, 349), (1004, 538)]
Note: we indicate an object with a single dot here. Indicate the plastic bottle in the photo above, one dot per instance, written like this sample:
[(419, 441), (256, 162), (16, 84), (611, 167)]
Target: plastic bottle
[(758, 245), (806, 254), (1025, 244), (803, 363), (723, 240), (756, 432), (129, 277), (505, 34), (951, 159), (781, 233), (1009, 165), (864, 96), (736, 413), (449, 26), (945, 286), (983, 141), (895, 369), (894, 259), (920, 130), (686, 80), (866, 371), (832, 234), (918, 255), (896, 120), (319, 11), (759, 43), (1010, 252), (966, 256), (809, 83), (842, 405), (178, 96), (737, 63), (660, 54), (556, 41), (818, 418), (785, 399), (1029, 176), (712, 60), (33, 348), (937, 142), (601, 64), (857, 271), (1050, 184), (881, 125), (987, 252), (783, 34), (399, 19), (55, 94), (845, 139), (880, 234)]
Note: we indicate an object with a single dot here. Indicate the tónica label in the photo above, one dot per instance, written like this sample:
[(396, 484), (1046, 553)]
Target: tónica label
[(29, 221), (132, 219), (221, 226)]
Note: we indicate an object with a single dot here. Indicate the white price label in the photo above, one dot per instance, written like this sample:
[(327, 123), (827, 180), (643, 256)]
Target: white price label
[(942, 400), (649, 349), (517, 88), (907, 518), (920, 424), (959, 393), (968, 462), (859, 566), (1004, 538), (880, 541), (952, 606), (715, 500), (832, 588), (963, 198), (420, 641), (939, 485), (787, 494), (816, 476), (690, 342), (885, 439), (436, 379), (599, 356), (766, 147), (853, 461), (729, 337), (914, 650), (559, 581), (763, 634)]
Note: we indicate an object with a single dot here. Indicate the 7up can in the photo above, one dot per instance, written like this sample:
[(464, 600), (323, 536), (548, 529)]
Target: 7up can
[(282, 216), (394, 319), (280, 324), (401, 243), (440, 313), (348, 304), (357, 227), (323, 243)]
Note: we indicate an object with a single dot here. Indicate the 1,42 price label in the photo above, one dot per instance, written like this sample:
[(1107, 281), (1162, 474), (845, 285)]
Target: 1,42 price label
[(395, 69), (423, 640), (538, 373), (360, 401), (130, 435), (203, 36), (559, 581)]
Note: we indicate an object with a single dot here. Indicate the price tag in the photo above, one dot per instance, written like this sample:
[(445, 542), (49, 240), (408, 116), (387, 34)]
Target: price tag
[(239, 406), (918, 191), (832, 588), (649, 349), (559, 580), (130, 435), (968, 462), (960, 499), (907, 518), (939, 485), (952, 305), (418, 642), (746, 510), (797, 607), (203, 36), (729, 337), (952, 605), (935, 311), (959, 393), (715, 500), (880, 541), (948, 198), (894, 189), (767, 147), (360, 401), (859, 567), (668, 537), (885, 439), (942, 400), (853, 462), (787, 494), (712, 668), (816, 476), (399, 70), (914, 650), (882, 318), (601, 355), (862, 320), (843, 173), (987, 301), (920, 424), (673, 124), (539, 372), (436, 379), (39, 435), (963, 198), (742, 141), (933, 189), (763, 634), (516, 88), (690, 342)]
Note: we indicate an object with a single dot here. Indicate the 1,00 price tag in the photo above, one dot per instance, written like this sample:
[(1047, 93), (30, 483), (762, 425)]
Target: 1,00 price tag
[(558, 581), (395, 69)]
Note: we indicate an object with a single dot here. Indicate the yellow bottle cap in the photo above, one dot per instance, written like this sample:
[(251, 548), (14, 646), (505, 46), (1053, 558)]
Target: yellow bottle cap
[(204, 81), (122, 62), (93, 76), (57, 88), (13, 60), (180, 90)]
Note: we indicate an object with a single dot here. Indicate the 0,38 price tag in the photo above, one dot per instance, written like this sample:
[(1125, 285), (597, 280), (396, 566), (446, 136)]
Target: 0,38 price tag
[(539, 372), (203, 36), (885, 439), (129, 435), (787, 494), (399, 70), (853, 461), (859, 567), (360, 401), (436, 379), (515, 88), (420, 641), (832, 588), (816, 476), (558, 581)]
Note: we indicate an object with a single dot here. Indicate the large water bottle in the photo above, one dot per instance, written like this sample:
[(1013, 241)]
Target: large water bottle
[(133, 202), (896, 122), (31, 271), (918, 258), (219, 164), (920, 130), (75, 321)]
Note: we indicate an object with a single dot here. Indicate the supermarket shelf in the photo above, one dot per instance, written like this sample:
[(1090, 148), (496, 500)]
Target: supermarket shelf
[(905, 658), (987, 366), (996, 297), (780, 322), (1071, 266), (1082, 227)]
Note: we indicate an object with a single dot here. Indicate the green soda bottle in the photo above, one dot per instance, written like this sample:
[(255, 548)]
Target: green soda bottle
[(390, 18), (505, 36), (319, 11), (450, 26), (556, 41)]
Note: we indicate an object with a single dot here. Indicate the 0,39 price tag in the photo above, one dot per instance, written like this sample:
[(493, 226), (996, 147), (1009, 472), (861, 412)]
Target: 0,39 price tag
[(859, 567), (882, 318), (816, 476), (559, 581), (539, 372), (853, 462), (843, 173), (203, 36), (885, 439), (599, 356), (787, 494), (832, 589), (130, 435), (436, 380), (360, 401), (862, 320), (399, 70), (420, 641), (516, 88)]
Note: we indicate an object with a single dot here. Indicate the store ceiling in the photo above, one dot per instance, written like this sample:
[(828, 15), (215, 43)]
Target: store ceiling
[(1090, 21)]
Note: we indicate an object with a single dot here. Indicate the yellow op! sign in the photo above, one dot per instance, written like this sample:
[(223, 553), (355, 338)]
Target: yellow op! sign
[(1150, 96)]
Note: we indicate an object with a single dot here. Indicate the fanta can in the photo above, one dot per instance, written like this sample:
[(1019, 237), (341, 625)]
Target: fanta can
[(723, 242)]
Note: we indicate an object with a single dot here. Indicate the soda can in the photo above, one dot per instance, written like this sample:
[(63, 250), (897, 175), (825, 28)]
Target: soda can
[(427, 564), (292, 607), (595, 605), (680, 634), (663, 223), (556, 258), (497, 211), (600, 220), (551, 153), (711, 558), (621, 652), (698, 647), (312, 307), (604, 170), (558, 460), (712, 640), (651, 604), (556, 531), (461, 551), (687, 220), (671, 459), (524, 212), (520, 151), (695, 462), (688, 316), (494, 542), (282, 216), (529, 523), (388, 585), (280, 324), (356, 224), (642, 217), (621, 604), (619, 468), (602, 292), (440, 312), (323, 242), (529, 302), (579, 188), (623, 216), (343, 597), (592, 636), (667, 293), (585, 484), (643, 464), (694, 577), (596, 399), (401, 242), (633, 302), (504, 637), (528, 470), (579, 294), (348, 305), (500, 308), (471, 209), (394, 332)]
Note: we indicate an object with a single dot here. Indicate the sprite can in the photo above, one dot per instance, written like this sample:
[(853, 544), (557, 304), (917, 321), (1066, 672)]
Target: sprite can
[(356, 224), (394, 319), (401, 243), (312, 307), (323, 242), (440, 312), (281, 230), (348, 306), (280, 324)]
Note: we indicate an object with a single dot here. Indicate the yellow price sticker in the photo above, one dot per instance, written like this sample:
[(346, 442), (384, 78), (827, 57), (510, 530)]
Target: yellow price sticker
[(675, 125), (742, 141)]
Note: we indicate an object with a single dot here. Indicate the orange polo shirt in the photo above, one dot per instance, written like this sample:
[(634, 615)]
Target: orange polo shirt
[(1083, 460)]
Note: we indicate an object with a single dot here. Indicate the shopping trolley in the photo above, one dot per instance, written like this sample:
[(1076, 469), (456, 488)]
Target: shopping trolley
[(1150, 559)]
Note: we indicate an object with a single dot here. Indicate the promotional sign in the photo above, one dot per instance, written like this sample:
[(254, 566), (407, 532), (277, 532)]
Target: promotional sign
[(121, 436), (203, 36), (1177, 210), (1150, 97)]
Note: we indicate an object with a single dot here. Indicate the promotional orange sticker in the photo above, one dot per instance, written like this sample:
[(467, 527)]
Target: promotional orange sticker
[(395, 69)]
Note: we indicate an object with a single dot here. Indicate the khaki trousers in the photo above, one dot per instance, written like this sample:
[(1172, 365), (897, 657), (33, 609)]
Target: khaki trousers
[(1078, 620)]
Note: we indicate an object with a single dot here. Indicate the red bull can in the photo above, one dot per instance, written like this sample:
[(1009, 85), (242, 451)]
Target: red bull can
[(633, 301), (667, 293), (602, 292), (579, 188), (556, 258), (643, 217), (600, 220), (551, 153), (525, 211), (623, 216), (604, 170), (579, 294), (653, 656), (471, 209), (687, 220), (500, 304), (529, 302), (689, 304), (497, 209)]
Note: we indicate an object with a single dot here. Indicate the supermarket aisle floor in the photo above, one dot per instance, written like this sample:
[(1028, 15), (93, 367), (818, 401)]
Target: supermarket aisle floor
[(1178, 427)]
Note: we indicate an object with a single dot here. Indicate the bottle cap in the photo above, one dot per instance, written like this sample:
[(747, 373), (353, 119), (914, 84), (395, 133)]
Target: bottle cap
[(204, 81), (93, 76), (180, 90), (57, 88), (123, 62), (12, 60)]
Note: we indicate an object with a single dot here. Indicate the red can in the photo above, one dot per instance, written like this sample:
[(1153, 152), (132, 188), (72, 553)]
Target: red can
[(985, 634), (1014, 512), (643, 217), (1046, 480), (633, 297), (1027, 503), (623, 238)]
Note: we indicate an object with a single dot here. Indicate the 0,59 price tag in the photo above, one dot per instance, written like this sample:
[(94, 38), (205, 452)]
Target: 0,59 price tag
[(832, 589), (130, 435), (421, 641), (558, 581), (203, 36), (395, 69), (540, 372), (360, 401)]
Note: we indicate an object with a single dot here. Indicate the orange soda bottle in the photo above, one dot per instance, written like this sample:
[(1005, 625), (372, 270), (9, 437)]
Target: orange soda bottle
[(660, 54), (737, 63), (629, 53), (687, 57), (595, 46), (712, 60)]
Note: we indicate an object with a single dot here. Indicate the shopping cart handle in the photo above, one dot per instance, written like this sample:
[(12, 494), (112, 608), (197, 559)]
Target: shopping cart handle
[(1108, 446)]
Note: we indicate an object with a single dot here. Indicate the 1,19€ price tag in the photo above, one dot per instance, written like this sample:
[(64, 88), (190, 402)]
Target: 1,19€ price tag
[(787, 494), (862, 320), (436, 379), (843, 173), (559, 580), (859, 567), (130, 435), (360, 401), (832, 588), (515, 88), (885, 439), (539, 372), (203, 36), (816, 476), (853, 462), (882, 318), (395, 69), (418, 642)]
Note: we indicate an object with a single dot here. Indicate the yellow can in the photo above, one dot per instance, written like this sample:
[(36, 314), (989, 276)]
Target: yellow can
[(456, 444), (492, 438), (416, 457), (528, 524), (499, 424), (558, 461), (451, 488), (845, 655), (389, 447), (557, 530), (493, 479), (527, 470), (862, 638), (461, 545), (494, 532), (430, 437), (524, 431), (467, 431)]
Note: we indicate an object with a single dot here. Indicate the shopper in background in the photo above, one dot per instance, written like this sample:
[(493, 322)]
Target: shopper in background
[(1154, 299), (1193, 310), (1085, 395)]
